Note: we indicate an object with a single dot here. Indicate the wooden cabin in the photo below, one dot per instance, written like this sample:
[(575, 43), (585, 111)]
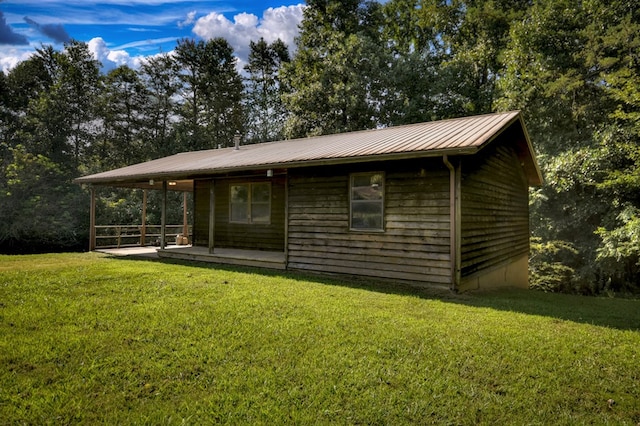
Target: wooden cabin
[(441, 203)]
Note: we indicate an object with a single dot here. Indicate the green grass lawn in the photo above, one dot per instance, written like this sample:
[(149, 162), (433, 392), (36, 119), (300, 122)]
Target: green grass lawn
[(85, 338)]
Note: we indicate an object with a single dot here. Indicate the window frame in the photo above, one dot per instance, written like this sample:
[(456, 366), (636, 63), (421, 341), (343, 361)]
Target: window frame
[(380, 202), (250, 204)]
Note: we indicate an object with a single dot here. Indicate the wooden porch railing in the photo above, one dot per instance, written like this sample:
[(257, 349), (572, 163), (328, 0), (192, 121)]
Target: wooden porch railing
[(138, 235)]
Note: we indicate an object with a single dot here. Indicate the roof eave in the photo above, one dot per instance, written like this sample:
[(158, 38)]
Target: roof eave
[(195, 174)]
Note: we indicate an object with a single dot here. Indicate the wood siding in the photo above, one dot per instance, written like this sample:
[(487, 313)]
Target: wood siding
[(201, 212), (238, 235), (495, 209), (414, 245)]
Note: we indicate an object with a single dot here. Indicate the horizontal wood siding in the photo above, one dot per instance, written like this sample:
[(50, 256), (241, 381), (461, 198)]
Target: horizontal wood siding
[(201, 216), (250, 236), (495, 209), (414, 245)]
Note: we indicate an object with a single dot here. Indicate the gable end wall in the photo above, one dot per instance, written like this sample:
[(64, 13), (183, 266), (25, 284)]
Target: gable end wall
[(495, 219)]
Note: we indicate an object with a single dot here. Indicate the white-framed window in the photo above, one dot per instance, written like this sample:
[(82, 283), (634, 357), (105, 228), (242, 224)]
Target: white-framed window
[(250, 203), (367, 201)]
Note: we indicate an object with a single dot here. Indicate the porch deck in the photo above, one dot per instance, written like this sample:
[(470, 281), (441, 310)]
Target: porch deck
[(227, 256), (255, 258)]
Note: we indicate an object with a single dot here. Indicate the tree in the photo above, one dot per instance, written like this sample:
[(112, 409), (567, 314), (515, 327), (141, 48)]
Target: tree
[(335, 81), (64, 115), (189, 59), (223, 88), (476, 36), (211, 111), (39, 208), (159, 74), (5, 115), (24, 85), (613, 50), (447, 56), (266, 113), (563, 62), (122, 109)]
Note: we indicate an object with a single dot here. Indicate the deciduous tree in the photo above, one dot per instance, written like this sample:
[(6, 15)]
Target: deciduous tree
[(335, 80)]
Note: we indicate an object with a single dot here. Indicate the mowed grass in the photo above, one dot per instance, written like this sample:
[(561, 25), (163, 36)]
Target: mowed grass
[(86, 338)]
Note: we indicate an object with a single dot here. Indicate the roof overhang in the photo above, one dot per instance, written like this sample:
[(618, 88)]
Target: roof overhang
[(518, 132)]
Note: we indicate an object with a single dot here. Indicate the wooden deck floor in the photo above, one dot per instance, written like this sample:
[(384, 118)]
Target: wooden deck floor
[(256, 258)]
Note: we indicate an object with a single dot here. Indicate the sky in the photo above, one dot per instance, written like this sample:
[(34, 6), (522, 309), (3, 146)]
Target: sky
[(124, 32)]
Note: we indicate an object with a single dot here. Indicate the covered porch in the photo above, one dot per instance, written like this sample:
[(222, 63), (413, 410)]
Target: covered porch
[(141, 234)]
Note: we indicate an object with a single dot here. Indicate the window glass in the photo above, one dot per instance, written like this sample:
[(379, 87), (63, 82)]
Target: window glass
[(260, 192), (239, 203), (250, 203), (261, 202), (367, 201), (260, 213)]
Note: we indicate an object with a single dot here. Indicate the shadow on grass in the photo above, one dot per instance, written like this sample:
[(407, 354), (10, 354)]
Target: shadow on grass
[(619, 313)]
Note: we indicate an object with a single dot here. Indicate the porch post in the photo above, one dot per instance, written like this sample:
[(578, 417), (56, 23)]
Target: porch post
[(185, 226), (92, 221), (163, 216), (143, 228), (286, 219), (212, 215)]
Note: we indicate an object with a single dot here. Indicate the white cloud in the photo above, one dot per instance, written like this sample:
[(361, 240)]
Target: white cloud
[(190, 19), (10, 56), (111, 58), (151, 43), (280, 22)]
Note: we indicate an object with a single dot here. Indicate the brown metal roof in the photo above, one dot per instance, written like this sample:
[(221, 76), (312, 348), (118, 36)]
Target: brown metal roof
[(457, 136)]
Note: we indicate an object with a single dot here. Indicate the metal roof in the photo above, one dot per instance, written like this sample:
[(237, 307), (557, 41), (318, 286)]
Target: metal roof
[(458, 136)]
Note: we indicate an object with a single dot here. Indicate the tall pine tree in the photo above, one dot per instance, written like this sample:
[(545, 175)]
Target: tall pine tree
[(266, 114)]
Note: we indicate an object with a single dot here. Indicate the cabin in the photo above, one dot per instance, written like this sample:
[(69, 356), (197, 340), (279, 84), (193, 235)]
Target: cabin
[(436, 204)]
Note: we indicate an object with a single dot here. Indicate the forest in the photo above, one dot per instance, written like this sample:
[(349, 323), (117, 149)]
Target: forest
[(572, 68)]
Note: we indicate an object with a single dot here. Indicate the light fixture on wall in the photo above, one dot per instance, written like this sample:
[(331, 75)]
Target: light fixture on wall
[(151, 182), (270, 173), (172, 183)]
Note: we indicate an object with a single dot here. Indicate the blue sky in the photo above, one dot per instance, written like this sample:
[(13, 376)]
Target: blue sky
[(126, 31)]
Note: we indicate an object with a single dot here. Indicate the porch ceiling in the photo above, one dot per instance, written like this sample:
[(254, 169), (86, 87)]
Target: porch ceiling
[(179, 185)]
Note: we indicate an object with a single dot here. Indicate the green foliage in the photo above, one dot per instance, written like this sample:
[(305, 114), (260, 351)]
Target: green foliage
[(546, 271), (91, 339), (448, 56), (266, 114), (68, 109), (212, 94), (39, 207), (122, 206), (572, 68), (122, 107), (619, 252), (335, 81), (159, 75), (624, 241)]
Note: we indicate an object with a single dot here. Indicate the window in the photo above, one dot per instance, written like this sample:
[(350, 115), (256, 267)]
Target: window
[(250, 203), (367, 201)]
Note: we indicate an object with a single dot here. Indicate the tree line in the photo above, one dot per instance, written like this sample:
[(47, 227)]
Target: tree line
[(573, 68)]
